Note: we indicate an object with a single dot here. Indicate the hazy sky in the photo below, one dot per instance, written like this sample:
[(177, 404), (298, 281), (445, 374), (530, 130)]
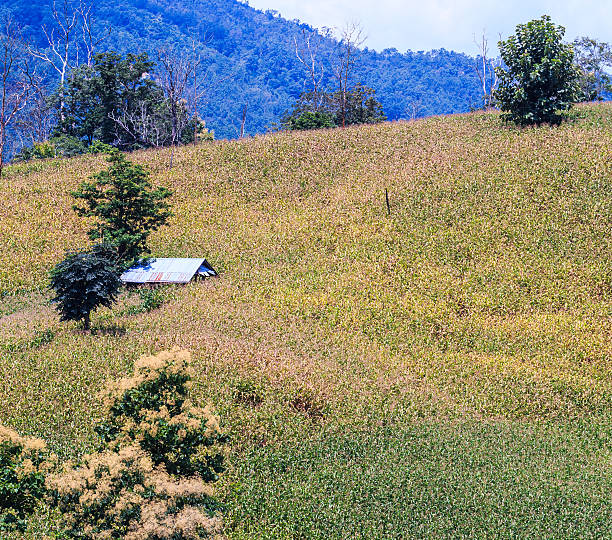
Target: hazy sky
[(434, 24)]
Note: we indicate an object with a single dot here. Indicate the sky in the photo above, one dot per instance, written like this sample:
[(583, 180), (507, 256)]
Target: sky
[(435, 24)]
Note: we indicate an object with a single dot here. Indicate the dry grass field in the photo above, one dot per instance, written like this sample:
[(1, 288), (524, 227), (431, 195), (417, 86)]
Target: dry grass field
[(442, 371)]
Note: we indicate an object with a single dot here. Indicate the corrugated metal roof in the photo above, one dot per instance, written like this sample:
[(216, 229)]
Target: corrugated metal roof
[(167, 271)]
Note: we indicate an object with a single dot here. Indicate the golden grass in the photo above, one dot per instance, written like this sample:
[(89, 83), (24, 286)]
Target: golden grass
[(486, 293)]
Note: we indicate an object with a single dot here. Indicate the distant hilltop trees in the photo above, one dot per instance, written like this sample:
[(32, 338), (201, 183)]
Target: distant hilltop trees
[(127, 75), (247, 57)]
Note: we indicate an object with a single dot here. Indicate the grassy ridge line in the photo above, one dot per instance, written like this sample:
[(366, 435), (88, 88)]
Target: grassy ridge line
[(486, 294)]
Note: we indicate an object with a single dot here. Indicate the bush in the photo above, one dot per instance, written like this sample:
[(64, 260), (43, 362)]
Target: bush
[(60, 145), (98, 147), (541, 81), (41, 150), (311, 120), (23, 463), (68, 146), (330, 109), (159, 454), (150, 299), (84, 281)]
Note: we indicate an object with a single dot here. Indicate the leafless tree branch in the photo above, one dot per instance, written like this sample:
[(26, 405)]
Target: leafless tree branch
[(14, 78)]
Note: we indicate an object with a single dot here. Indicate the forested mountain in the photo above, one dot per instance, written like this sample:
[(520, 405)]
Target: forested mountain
[(249, 59)]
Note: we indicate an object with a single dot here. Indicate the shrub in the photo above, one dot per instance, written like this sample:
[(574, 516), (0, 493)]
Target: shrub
[(150, 299), (23, 462), (40, 150), (311, 120), (68, 146), (84, 281), (98, 147), (159, 453)]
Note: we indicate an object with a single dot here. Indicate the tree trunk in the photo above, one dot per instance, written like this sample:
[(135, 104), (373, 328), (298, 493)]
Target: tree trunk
[(87, 321)]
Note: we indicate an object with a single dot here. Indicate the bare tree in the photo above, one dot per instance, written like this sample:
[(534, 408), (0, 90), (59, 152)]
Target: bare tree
[(592, 58), (485, 69), (90, 40), (144, 125), (413, 108), (202, 84), (35, 122), (176, 69), (14, 71), (62, 53), (351, 38), (243, 123), (307, 51), (196, 94)]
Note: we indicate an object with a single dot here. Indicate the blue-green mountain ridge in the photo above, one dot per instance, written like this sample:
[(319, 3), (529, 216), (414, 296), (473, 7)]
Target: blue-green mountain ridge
[(249, 59)]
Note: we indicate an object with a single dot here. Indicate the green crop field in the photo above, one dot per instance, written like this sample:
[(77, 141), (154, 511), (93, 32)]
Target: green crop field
[(442, 371)]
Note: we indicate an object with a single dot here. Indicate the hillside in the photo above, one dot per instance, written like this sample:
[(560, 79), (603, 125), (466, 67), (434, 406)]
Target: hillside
[(249, 58), (444, 370)]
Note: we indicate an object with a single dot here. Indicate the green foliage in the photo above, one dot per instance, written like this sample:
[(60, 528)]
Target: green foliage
[(196, 127), (126, 207), (98, 147), (427, 480), (59, 145), (118, 102), (115, 87), (540, 81), (592, 59), (310, 120), (22, 479), (324, 110), (67, 145), (154, 410), (40, 150), (150, 299), (84, 281), (150, 478), (362, 107)]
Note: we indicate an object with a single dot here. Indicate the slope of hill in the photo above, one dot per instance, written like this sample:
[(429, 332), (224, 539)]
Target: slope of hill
[(441, 371), (250, 59)]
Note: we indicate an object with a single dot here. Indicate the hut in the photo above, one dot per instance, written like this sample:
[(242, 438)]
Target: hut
[(156, 271)]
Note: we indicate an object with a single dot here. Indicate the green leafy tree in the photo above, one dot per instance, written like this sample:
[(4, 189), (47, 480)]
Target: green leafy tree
[(84, 281), (361, 107), (592, 59), (81, 108), (120, 101), (540, 81), (125, 205), (104, 101)]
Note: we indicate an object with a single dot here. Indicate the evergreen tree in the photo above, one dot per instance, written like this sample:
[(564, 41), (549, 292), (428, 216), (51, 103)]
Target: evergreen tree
[(126, 206)]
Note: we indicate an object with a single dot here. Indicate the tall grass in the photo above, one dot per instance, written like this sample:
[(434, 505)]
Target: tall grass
[(485, 296)]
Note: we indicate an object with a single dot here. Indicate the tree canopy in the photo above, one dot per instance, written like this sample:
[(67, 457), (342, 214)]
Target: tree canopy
[(539, 81), (84, 281), (248, 57), (127, 208)]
